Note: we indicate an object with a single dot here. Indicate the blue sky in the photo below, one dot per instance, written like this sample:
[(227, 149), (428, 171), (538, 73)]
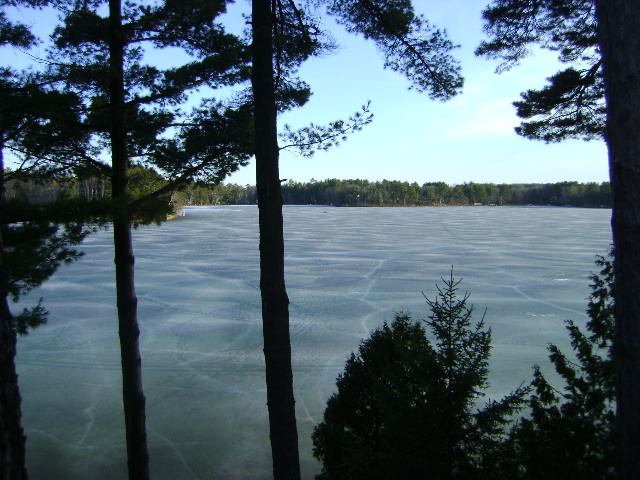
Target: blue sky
[(469, 138)]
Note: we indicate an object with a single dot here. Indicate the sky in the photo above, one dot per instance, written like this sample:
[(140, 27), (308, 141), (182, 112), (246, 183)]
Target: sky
[(412, 138)]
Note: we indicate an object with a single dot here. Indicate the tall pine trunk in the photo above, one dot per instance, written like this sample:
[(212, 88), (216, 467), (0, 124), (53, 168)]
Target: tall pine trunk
[(12, 439), (132, 393), (619, 36), (275, 303)]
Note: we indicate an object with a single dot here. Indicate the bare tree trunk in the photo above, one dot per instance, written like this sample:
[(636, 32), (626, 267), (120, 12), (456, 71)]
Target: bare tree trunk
[(12, 439), (275, 303), (132, 393), (619, 35)]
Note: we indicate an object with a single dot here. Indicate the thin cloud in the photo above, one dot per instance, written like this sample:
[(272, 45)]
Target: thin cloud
[(493, 119)]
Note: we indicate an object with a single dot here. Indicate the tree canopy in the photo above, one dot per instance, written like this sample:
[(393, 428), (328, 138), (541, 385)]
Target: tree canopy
[(572, 104), (406, 405)]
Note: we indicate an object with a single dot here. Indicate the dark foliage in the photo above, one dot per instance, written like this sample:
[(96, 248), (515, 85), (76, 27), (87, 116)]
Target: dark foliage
[(570, 432), (409, 43), (40, 126), (158, 132), (406, 406), (35, 250), (388, 398), (572, 104)]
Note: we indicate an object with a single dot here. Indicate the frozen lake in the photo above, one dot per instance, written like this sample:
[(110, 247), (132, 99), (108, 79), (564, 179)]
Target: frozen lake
[(348, 269)]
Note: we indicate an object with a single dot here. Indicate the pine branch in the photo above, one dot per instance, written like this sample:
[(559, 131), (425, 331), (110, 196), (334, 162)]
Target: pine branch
[(308, 140)]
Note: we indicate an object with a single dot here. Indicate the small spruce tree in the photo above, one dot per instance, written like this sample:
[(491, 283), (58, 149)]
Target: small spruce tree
[(473, 436)]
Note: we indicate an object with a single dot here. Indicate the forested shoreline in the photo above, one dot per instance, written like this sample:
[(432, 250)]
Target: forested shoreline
[(335, 192), (390, 193)]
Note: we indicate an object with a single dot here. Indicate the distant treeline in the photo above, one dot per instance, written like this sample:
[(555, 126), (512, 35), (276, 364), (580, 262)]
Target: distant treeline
[(363, 193), (340, 193)]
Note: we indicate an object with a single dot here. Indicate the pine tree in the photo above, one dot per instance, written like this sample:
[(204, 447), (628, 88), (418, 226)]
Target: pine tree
[(275, 303), (619, 40), (130, 112), (283, 36)]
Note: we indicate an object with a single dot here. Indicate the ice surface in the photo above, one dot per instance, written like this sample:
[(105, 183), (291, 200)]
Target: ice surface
[(348, 269)]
